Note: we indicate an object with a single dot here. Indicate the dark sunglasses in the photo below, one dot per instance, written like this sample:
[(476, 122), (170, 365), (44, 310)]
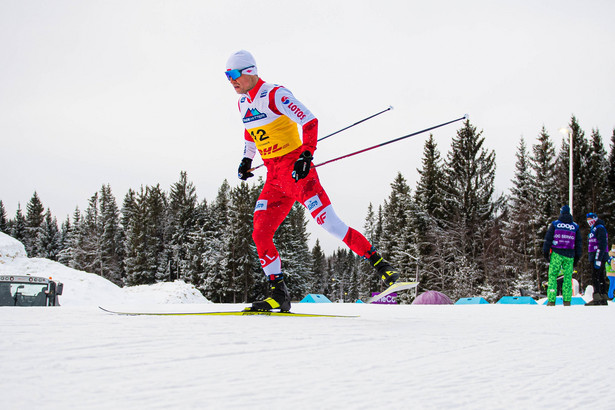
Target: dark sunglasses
[(235, 74)]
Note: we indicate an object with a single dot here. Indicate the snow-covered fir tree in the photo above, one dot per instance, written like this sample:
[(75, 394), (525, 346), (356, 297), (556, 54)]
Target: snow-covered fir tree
[(468, 209), (519, 229), (181, 226), (3, 219), (429, 200), (111, 249), (320, 280), (598, 168), (136, 252), (35, 216), (49, 241), (18, 225), (243, 266), (66, 250), (546, 206), (217, 284)]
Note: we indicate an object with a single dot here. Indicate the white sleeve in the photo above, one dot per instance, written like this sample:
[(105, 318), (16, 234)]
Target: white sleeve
[(294, 109), (249, 150)]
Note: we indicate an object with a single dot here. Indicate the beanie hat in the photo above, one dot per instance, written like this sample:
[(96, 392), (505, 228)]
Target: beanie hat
[(591, 218), (240, 60), (565, 210)]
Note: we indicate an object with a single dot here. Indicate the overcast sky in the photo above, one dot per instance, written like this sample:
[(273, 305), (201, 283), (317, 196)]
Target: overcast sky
[(131, 93)]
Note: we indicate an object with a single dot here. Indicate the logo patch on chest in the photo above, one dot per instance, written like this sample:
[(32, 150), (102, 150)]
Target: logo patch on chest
[(253, 115)]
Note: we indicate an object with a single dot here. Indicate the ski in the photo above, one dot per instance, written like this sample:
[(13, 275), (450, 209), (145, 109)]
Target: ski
[(393, 288), (231, 313)]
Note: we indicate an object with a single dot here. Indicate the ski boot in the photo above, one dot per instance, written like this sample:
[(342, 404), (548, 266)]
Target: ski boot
[(280, 297), (387, 273), (598, 300)]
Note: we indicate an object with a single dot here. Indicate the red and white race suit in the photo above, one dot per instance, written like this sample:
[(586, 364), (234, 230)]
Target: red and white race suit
[(270, 114)]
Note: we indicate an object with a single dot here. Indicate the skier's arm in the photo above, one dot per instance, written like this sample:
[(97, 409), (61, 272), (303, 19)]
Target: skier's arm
[(578, 247), (601, 252), (249, 150), (546, 247), (286, 103)]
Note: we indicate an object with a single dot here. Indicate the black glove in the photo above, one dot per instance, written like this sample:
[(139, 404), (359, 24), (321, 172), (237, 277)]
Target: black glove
[(302, 166), (244, 167)]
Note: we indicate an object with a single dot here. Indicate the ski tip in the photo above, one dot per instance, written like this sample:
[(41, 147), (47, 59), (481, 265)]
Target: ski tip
[(466, 117), (390, 107)]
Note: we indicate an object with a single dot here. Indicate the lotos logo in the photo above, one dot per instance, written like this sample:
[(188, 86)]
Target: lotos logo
[(297, 111), (294, 108)]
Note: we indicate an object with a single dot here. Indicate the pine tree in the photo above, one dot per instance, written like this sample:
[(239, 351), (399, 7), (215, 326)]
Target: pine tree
[(610, 188), (91, 238), (243, 262), (546, 202), (320, 280), (519, 231), (182, 225), (75, 253), (137, 264), (468, 208), (597, 167), (217, 284), (156, 222), (111, 237), (395, 216), (373, 227), (194, 271), (428, 194), (3, 219), (66, 250), (35, 216), (49, 241)]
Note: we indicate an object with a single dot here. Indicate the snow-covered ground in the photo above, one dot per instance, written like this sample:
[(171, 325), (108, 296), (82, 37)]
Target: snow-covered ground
[(412, 356)]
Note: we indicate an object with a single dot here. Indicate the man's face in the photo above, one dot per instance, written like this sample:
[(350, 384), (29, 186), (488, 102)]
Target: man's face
[(244, 83)]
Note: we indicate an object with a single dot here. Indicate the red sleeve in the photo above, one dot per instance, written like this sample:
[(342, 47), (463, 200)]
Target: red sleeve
[(310, 135)]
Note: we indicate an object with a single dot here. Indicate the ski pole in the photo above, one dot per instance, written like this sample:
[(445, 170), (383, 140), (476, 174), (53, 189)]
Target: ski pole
[(465, 117), (338, 131), (356, 123)]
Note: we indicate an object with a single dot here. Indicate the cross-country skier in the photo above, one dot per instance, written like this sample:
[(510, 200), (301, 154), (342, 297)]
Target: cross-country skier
[(597, 249), (562, 248), (272, 115)]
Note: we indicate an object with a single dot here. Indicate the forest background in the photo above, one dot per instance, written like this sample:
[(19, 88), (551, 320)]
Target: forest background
[(450, 231)]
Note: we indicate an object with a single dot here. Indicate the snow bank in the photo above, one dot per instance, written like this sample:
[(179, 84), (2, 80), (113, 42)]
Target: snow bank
[(10, 248), (88, 289)]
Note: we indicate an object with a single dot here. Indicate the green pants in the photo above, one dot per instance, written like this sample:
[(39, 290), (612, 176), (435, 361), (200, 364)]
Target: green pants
[(564, 265)]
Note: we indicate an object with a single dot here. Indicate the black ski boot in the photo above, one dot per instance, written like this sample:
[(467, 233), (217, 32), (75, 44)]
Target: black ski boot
[(280, 297), (387, 273), (598, 300)]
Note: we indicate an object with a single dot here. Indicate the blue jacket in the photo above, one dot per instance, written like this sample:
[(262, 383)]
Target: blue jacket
[(598, 242), (563, 237)]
